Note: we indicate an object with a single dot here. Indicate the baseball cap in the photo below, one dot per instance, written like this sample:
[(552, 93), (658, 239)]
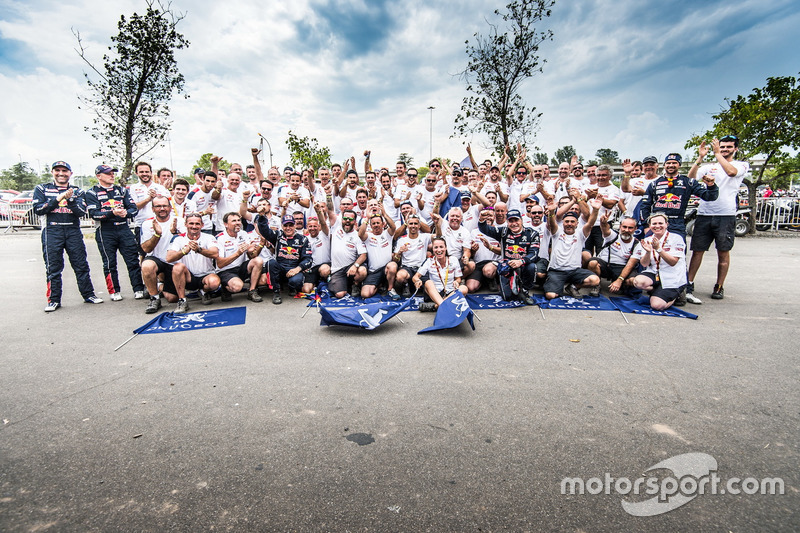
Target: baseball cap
[(290, 169), (199, 171), (104, 169), (287, 219), (673, 157), (514, 213), (533, 198), (457, 171), (61, 164), (465, 195), (650, 159), (572, 214)]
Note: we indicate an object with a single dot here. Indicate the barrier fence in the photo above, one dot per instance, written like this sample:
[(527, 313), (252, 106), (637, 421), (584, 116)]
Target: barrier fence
[(14, 215)]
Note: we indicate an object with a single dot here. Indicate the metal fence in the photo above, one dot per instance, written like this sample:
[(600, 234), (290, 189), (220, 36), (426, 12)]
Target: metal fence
[(20, 215), (777, 213)]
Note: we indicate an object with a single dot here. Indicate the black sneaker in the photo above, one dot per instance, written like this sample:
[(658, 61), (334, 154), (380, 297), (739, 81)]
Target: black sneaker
[(292, 292), (355, 291), (205, 298), (153, 306), (427, 307), (226, 296), (276, 298), (406, 291), (253, 296), (718, 294), (525, 297)]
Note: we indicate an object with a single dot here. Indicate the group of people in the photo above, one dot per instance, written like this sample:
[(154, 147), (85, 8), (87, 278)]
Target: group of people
[(509, 227)]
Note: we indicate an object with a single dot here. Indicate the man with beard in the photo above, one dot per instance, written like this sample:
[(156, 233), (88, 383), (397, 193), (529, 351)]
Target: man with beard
[(192, 256), (157, 234), (348, 255), (716, 220), (612, 260), (378, 243), (228, 199), (412, 249), (142, 194), (204, 201), (319, 239)]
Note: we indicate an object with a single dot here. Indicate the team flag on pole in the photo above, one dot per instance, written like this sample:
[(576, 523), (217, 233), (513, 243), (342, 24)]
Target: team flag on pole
[(366, 315), (642, 307), (169, 322)]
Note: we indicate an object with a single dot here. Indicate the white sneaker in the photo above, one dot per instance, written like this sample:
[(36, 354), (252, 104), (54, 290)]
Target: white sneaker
[(138, 295), (51, 306), (116, 297), (93, 300), (692, 299)]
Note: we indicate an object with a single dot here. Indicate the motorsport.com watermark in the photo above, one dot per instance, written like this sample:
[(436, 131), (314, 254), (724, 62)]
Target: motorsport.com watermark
[(693, 474)]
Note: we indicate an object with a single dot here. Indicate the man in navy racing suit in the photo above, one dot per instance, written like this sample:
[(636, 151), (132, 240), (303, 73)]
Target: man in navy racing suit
[(111, 206), (520, 250), (61, 207), (670, 194), (292, 255)]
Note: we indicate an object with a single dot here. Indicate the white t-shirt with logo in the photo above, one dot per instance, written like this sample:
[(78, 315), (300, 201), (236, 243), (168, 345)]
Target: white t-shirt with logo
[(417, 249), (566, 251), (229, 245), (345, 247), (725, 204)]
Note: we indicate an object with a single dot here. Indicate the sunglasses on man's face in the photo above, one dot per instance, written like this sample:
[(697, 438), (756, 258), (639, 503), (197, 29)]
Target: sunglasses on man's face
[(350, 219), (411, 175)]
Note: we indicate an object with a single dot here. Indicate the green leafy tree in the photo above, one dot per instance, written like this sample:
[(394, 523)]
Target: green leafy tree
[(405, 158), (767, 124), (130, 92), (607, 156), (498, 64), (306, 152), (21, 177), (539, 158), (564, 154), (205, 163)]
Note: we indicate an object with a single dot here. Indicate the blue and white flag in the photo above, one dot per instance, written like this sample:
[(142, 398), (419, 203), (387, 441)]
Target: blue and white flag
[(466, 163), (587, 303), (452, 312), (642, 307), (491, 301), (366, 315), (453, 200), (169, 322)]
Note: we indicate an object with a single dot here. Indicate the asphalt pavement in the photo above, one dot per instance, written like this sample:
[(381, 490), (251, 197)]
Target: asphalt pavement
[(282, 425)]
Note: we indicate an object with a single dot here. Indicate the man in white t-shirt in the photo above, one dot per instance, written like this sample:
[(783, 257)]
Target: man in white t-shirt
[(378, 242), (228, 199), (192, 256), (348, 255), (238, 259), (613, 260), (411, 249), (143, 193), (204, 202), (319, 240), (564, 271), (716, 220)]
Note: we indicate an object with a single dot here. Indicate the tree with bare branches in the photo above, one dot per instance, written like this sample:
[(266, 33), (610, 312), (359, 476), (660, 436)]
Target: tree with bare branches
[(130, 93), (499, 63)]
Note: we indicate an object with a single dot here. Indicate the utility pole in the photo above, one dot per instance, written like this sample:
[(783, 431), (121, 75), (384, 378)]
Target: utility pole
[(431, 135)]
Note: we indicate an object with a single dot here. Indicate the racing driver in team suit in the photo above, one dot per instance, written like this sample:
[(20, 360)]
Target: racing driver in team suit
[(670, 193), (111, 206), (292, 254), (61, 207), (520, 249)]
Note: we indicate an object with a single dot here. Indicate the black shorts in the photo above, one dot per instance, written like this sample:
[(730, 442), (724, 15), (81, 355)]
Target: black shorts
[(608, 271), (195, 283), (556, 279), (162, 267), (312, 274), (478, 272), (668, 295), (720, 229), (375, 278), (236, 272), (411, 270), (594, 242), (340, 281)]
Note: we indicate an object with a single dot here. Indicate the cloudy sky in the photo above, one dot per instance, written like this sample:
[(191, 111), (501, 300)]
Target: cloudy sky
[(636, 77)]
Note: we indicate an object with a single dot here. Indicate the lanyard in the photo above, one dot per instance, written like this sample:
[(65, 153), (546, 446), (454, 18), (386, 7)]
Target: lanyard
[(658, 256), (446, 271)]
